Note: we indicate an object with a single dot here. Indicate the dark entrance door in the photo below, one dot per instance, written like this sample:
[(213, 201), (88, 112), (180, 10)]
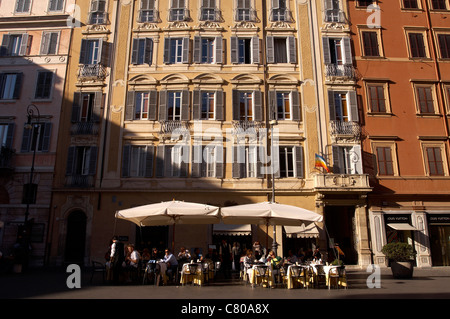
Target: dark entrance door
[(339, 221), (75, 238)]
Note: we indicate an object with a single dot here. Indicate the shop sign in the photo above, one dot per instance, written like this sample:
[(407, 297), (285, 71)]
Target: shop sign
[(439, 219), (398, 219)]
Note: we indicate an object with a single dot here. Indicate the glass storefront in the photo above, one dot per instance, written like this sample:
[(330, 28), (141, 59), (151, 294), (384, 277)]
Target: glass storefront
[(439, 226)]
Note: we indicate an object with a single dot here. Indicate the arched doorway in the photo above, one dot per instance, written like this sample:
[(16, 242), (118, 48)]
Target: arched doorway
[(75, 238)]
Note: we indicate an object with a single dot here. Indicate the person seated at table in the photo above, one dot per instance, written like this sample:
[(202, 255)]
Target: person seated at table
[(275, 262), (212, 256), (171, 262), (132, 261), (291, 258), (183, 256), (197, 256), (248, 262), (301, 255), (145, 256), (155, 255)]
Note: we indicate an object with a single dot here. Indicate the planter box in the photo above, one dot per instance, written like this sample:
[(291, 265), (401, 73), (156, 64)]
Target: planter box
[(402, 270)]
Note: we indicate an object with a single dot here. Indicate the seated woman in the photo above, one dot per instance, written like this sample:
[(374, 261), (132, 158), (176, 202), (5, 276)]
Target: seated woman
[(183, 256), (248, 263)]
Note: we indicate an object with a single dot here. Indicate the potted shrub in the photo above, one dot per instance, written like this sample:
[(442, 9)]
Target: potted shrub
[(401, 258)]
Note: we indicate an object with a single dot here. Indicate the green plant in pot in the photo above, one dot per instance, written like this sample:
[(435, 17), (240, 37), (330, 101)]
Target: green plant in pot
[(401, 257)]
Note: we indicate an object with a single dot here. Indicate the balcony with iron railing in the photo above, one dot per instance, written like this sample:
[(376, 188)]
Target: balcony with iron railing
[(151, 15), (246, 127), (210, 14), (179, 14), (341, 128), (280, 14), (171, 128), (84, 128), (248, 15), (347, 71), (96, 72), (79, 181), (334, 15)]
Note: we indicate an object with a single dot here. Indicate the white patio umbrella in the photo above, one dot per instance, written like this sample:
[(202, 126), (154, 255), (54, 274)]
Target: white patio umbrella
[(269, 213), (171, 213)]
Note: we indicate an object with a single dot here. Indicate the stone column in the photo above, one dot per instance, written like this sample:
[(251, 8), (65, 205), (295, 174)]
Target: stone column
[(378, 234), (362, 236), (421, 239), (320, 209)]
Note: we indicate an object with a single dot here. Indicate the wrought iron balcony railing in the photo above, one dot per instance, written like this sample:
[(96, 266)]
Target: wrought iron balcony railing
[(174, 127), (180, 14), (340, 70), (92, 72), (151, 15), (345, 128), (210, 14), (84, 128), (333, 15), (280, 14), (245, 15), (82, 181)]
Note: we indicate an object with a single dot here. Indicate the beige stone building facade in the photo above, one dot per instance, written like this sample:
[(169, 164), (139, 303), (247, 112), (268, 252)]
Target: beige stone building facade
[(177, 100)]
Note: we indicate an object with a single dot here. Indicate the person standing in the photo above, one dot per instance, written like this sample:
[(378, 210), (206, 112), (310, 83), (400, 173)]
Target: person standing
[(226, 258), (236, 251), (117, 258)]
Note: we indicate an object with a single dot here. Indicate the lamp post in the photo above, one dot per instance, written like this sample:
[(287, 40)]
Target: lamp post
[(30, 189), (272, 123)]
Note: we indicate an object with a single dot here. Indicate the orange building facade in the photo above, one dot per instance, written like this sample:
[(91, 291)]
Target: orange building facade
[(402, 57)]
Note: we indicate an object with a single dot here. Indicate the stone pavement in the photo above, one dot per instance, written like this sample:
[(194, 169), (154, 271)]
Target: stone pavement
[(45, 284)]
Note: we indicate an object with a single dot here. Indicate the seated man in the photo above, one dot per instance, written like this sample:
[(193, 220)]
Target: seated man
[(172, 263)]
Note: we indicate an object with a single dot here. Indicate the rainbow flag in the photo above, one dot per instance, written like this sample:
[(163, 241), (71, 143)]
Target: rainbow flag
[(320, 162)]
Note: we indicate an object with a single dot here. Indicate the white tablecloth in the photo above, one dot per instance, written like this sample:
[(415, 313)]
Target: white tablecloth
[(162, 272), (187, 277)]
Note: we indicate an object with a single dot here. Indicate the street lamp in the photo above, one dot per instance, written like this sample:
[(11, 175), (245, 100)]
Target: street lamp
[(272, 123), (29, 189)]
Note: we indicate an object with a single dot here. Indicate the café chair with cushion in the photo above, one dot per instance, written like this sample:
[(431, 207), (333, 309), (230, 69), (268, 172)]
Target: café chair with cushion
[(298, 274), (320, 278), (262, 274), (337, 277)]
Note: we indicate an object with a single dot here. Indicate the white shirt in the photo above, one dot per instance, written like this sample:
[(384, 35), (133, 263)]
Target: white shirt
[(134, 256)]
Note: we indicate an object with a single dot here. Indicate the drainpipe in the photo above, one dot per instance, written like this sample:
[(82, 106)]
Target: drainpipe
[(437, 69)]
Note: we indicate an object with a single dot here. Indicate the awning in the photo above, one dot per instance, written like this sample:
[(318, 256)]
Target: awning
[(303, 231), (401, 226), (232, 230)]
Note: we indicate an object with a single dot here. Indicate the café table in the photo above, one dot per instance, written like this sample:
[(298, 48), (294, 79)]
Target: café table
[(162, 272), (258, 280), (294, 280), (327, 269), (187, 276)]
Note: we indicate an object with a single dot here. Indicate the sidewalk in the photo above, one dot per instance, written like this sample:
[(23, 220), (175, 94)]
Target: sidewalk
[(431, 283)]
